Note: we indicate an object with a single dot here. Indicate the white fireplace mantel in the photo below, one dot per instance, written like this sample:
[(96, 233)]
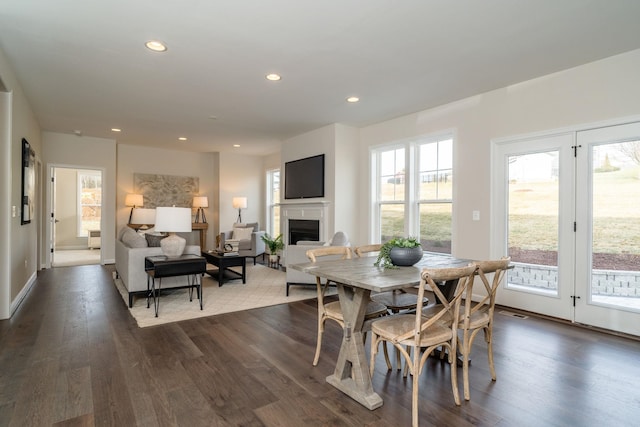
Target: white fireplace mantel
[(305, 210)]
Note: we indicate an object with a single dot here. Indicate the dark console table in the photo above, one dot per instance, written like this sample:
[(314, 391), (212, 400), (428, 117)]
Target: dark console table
[(160, 266)]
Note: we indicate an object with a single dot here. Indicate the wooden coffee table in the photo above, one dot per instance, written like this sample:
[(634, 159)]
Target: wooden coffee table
[(223, 263)]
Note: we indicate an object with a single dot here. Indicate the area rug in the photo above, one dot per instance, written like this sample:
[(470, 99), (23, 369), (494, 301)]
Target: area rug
[(265, 287)]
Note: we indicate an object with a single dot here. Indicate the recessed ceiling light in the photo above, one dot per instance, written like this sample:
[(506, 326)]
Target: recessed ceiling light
[(273, 77), (236, 145), (353, 99), (116, 130), (182, 138), (156, 46)]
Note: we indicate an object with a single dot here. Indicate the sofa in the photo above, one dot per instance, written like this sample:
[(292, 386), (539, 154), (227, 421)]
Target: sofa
[(297, 254), (131, 250), (246, 238)]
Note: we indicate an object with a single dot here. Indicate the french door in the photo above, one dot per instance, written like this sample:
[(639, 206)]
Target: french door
[(608, 218), (567, 210)]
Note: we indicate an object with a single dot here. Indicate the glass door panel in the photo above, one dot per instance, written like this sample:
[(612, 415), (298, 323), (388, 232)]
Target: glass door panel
[(533, 218)]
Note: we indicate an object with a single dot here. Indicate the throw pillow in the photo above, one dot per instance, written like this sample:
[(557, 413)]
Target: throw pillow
[(242, 233), (153, 240), (253, 225), (131, 239)]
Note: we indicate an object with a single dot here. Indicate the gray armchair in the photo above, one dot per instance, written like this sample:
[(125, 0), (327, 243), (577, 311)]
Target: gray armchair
[(297, 254), (251, 247)]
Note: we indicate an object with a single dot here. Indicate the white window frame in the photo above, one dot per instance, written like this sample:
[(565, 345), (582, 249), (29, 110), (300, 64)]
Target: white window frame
[(412, 199), (272, 203), (79, 175)]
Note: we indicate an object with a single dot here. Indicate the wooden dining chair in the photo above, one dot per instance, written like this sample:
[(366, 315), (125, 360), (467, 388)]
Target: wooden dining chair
[(396, 301), (478, 316), (332, 310), (416, 332)]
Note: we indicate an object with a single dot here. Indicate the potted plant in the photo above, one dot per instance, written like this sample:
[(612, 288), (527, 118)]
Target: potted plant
[(399, 251), (274, 244)]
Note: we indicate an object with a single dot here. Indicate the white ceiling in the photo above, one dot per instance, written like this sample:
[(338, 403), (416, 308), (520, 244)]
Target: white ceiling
[(83, 64)]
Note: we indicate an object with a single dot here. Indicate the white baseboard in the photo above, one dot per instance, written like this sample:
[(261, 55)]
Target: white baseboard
[(23, 293)]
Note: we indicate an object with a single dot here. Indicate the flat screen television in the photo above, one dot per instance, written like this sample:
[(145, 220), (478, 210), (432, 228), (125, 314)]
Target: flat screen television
[(304, 178)]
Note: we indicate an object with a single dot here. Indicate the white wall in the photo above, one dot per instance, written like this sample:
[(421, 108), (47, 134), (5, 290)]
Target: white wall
[(241, 176), (138, 159), (339, 144), (599, 91), (19, 249), (82, 152)]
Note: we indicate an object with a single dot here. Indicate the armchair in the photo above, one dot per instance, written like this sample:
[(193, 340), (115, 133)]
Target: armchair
[(249, 244), (297, 254)]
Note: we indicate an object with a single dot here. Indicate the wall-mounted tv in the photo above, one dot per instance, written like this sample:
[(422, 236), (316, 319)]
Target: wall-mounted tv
[(304, 178)]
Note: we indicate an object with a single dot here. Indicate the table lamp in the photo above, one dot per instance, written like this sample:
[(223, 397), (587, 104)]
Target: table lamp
[(133, 200), (173, 220), (200, 202), (240, 203), (143, 217)]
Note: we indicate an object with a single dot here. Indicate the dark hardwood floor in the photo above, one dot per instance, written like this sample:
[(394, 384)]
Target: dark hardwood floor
[(73, 356)]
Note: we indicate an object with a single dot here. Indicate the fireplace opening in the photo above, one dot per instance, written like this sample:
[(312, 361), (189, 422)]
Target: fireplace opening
[(303, 229)]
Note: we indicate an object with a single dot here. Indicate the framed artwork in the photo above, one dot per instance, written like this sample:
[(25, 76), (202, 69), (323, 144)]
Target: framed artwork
[(166, 190), (28, 182)]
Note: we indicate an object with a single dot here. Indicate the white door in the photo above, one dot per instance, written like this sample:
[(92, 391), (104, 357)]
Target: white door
[(608, 224), (532, 221)]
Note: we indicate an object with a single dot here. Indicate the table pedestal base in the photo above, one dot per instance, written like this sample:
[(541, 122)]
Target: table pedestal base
[(351, 375)]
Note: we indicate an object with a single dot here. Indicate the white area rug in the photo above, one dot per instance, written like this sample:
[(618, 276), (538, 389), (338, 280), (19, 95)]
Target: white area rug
[(265, 286)]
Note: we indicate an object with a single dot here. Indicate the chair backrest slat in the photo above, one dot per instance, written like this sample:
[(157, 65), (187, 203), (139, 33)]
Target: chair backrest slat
[(366, 249), (496, 267), (431, 277)]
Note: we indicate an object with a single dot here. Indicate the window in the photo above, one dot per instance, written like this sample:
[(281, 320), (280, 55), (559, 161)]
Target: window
[(89, 201), (412, 192), (273, 202)]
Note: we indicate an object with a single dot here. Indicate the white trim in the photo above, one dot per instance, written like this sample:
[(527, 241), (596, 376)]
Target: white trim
[(23, 293)]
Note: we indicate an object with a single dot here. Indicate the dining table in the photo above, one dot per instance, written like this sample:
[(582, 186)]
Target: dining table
[(355, 280)]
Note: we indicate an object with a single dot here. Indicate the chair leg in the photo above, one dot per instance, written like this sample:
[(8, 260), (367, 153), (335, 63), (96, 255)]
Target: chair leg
[(414, 391), (489, 339), (374, 351), (465, 369), (454, 373), (386, 355), (319, 344)]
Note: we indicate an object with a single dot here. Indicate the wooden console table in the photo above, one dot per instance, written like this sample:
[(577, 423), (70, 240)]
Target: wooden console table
[(202, 227)]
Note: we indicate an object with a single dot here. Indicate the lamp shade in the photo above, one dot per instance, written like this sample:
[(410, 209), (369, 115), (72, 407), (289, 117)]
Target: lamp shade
[(133, 200), (143, 216), (240, 202), (200, 202), (173, 220)]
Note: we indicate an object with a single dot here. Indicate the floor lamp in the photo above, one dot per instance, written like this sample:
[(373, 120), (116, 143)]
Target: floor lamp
[(240, 203)]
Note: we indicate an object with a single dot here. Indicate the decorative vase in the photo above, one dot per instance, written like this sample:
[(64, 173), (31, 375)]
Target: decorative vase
[(405, 256)]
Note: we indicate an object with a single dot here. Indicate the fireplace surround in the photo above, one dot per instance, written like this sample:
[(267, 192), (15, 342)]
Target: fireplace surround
[(317, 212)]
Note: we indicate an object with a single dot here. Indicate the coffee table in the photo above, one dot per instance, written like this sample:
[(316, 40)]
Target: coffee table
[(223, 263)]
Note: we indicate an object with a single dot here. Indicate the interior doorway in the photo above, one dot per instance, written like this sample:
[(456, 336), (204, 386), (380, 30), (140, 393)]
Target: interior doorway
[(76, 216)]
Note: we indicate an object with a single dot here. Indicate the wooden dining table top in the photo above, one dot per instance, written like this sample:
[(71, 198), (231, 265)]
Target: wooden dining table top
[(361, 273)]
